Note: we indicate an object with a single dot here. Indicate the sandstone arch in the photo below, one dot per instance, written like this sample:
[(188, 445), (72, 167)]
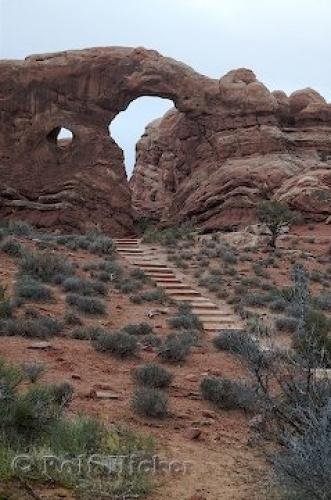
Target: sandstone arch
[(84, 90)]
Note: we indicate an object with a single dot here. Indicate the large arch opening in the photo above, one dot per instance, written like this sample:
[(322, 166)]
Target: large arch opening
[(129, 125)]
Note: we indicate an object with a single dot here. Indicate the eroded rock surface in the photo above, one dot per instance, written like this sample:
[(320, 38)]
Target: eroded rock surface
[(227, 144), (213, 170), (78, 184)]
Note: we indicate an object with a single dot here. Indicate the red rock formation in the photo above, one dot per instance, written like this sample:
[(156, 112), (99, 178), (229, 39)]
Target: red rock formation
[(82, 183), (228, 143), (253, 145)]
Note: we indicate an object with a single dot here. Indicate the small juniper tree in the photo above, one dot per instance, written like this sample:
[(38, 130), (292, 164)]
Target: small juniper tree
[(275, 215)]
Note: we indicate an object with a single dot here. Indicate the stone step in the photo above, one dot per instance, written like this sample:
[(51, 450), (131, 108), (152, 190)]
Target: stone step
[(216, 319), (213, 312), (173, 286), (165, 279)]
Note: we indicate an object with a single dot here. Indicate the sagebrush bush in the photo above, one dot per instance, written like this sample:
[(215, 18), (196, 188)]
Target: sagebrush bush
[(83, 286), (138, 329), (230, 340), (45, 265), (33, 370), (286, 323), (184, 321), (174, 349), (157, 295), (151, 340), (88, 333), (119, 343), (12, 247), (86, 304), (153, 375), (128, 285), (150, 402), (42, 327), (228, 394), (31, 289)]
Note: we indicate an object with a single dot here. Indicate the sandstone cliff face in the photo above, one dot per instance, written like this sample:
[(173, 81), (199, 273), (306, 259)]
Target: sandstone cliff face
[(227, 144), (251, 145)]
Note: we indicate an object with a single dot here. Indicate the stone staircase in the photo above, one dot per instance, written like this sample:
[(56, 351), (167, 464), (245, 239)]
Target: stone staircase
[(214, 317)]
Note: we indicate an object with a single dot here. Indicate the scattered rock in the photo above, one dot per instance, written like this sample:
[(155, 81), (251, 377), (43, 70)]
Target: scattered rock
[(193, 433), (95, 394), (40, 345)]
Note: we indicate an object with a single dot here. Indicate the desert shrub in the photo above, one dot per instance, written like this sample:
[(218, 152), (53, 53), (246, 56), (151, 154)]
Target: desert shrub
[(168, 237), (185, 320), (227, 394), (20, 228), (229, 257), (33, 421), (151, 341), (140, 275), (153, 375), (278, 305), (121, 344), (286, 323), (275, 215), (31, 289), (88, 305), (136, 299), (71, 318), (190, 337), (12, 247), (157, 295), (42, 327), (138, 329), (45, 266), (94, 241), (33, 371), (174, 349), (87, 333), (77, 285), (302, 469), (323, 301), (251, 281), (255, 299), (6, 305), (230, 340), (315, 338), (259, 270), (317, 276), (150, 402), (127, 285)]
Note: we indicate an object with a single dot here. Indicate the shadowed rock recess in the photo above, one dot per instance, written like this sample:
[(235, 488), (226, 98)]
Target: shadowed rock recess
[(227, 144)]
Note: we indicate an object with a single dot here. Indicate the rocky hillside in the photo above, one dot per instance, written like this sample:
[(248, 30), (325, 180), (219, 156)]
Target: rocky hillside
[(250, 145)]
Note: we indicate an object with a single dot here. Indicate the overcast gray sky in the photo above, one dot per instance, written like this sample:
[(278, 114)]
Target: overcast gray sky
[(286, 43)]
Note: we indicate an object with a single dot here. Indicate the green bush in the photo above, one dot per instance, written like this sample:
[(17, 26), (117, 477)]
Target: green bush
[(33, 422), (150, 402), (153, 375), (121, 344), (42, 327), (88, 305), (127, 285), (138, 329), (31, 289), (45, 266), (87, 333), (286, 323), (33, 371), (12, 247), (229, 340), (174, 349), (227, 394), (185, 321)]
